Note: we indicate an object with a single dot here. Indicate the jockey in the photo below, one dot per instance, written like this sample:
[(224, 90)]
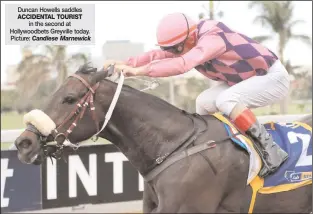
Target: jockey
[(249, 74)]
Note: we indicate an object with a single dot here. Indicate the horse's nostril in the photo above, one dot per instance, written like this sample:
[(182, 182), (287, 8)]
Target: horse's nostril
[(25, 143)]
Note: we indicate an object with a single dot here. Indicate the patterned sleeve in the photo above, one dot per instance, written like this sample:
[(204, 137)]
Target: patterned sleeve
[(148, 57), (209, 46)]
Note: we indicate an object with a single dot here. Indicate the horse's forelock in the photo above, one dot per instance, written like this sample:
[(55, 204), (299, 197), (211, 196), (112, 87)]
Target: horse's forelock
[(94, 74), (86, 69)]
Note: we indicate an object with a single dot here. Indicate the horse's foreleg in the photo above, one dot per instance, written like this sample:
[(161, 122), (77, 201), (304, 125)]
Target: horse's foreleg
[(149, 199), (190, 186)]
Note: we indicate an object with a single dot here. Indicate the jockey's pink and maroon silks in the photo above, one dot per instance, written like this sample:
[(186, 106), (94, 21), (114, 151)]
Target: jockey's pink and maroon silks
[(220, 54)]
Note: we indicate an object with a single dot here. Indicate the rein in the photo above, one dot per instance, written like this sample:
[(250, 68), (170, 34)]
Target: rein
[(61, 139), (88, 100)]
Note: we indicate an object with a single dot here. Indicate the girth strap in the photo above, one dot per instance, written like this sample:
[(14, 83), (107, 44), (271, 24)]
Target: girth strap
[(173, 159), (183, 154)]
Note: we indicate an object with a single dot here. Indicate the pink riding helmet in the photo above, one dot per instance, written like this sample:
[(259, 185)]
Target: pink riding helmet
[(172, 29)]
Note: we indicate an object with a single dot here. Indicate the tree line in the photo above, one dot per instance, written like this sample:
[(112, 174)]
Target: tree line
[(44, 68)]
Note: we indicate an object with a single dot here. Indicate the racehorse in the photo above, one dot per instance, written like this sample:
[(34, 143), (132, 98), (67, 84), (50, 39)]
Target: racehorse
[(188, 161)]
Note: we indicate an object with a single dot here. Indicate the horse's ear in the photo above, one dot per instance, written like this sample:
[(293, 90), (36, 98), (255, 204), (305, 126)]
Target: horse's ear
[(102, 74), (110, 70)]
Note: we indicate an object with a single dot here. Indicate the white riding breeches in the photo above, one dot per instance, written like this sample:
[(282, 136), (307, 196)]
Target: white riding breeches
[(257, 91)]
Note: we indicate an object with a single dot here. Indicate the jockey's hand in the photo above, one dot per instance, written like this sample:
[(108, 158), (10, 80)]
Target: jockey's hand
[(129, 71), (109, 62)]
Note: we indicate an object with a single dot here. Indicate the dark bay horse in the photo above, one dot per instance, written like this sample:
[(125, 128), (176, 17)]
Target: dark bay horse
[(148, 131)]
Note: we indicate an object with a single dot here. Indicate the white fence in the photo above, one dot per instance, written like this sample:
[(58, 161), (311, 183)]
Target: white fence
[(11, 135)]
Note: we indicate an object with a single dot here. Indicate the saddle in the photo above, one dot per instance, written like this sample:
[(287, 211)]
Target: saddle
[(295, 138)]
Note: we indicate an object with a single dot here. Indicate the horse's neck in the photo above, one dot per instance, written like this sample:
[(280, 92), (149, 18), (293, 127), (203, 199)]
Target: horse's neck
[(144, 127)]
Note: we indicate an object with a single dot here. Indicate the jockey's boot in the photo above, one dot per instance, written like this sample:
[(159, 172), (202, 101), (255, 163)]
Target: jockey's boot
[(271, 154)]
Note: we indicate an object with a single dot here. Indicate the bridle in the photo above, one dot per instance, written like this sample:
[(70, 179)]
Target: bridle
[(79, 111), (77, 114), (60, 138)]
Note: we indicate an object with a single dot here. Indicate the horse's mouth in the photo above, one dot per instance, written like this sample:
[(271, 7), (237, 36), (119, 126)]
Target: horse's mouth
[(33, 158), (28, 160), (36, 159)]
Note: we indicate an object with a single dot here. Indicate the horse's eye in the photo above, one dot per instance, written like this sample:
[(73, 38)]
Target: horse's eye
[(69, 100)]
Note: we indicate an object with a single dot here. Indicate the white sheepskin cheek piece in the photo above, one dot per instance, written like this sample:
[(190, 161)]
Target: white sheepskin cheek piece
[(40, 120)]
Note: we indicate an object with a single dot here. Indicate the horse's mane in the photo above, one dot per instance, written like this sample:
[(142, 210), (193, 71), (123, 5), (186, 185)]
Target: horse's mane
[(87, 68)]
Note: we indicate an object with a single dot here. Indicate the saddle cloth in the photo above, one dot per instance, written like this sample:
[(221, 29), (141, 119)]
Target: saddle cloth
[(295, 138)]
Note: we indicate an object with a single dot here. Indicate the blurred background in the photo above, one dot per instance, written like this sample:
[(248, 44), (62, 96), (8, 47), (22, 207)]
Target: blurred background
[(29, 74)]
